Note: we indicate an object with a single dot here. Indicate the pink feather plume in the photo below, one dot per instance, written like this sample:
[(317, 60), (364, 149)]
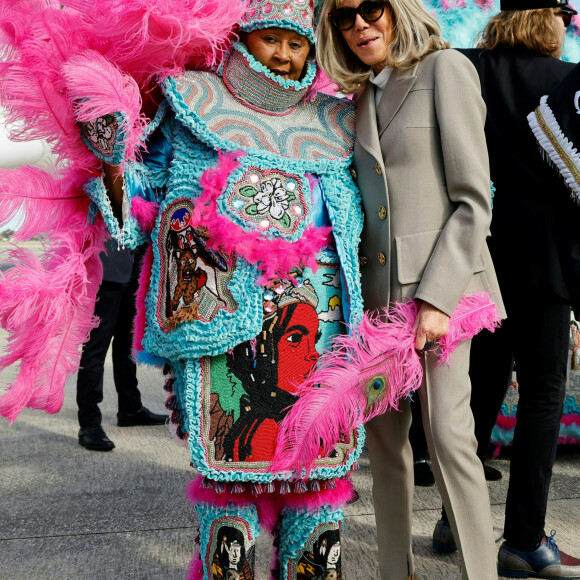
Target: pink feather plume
[(47, 308), (366, 374)]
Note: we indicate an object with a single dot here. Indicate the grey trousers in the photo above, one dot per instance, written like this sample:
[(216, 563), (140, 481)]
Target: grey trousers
[(449, 429)]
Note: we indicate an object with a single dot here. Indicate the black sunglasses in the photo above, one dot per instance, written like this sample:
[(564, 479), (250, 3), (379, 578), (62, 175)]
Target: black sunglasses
[(370, 11), (566, 17)]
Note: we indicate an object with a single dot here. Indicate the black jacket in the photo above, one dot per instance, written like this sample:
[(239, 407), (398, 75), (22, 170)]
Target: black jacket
[(535, 240)]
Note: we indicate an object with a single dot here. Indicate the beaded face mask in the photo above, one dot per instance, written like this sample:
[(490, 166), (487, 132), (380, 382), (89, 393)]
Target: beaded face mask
[(296, 15)]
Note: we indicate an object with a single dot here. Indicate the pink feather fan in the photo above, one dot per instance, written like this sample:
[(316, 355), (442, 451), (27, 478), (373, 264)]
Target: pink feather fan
[(366, 374)]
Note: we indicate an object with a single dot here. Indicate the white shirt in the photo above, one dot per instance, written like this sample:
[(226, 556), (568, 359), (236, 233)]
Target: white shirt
[(380, 81)]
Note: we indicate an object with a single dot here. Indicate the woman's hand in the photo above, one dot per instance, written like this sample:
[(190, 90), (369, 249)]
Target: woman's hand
[(430, 324)]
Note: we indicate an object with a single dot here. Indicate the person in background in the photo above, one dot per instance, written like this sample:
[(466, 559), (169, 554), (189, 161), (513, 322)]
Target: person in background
[(534, 242), (421, 163), (116, 309)]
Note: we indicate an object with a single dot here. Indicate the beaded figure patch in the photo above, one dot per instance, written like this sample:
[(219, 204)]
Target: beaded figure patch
[(321, 557), (248, 390), (231, 550), (269, 199), (194, 278)]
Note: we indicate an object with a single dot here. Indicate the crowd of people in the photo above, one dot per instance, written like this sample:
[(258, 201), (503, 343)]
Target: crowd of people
[(274, 215)]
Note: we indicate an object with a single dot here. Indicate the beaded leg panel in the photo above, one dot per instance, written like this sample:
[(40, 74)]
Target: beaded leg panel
[(309, 544), (227, 537)]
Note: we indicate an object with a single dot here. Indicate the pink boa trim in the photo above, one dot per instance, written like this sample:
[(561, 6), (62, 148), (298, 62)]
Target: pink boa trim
[(366, 374), (269, 505), (145, 212), (140, 322), (195, 571), (275, 258)]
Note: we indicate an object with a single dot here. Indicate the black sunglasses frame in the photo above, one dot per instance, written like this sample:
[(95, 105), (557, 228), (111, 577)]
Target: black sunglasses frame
[(566, 17), (360, 9)]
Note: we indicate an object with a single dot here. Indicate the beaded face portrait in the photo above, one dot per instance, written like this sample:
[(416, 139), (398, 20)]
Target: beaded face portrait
[(232, 549), (249, 390), (321, 558), (194, 278)]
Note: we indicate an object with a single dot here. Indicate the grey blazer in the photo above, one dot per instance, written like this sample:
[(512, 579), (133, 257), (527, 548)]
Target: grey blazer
[(422, 166)]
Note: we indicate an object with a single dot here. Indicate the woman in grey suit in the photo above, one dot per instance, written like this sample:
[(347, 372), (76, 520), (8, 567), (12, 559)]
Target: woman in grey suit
[(422, 166)]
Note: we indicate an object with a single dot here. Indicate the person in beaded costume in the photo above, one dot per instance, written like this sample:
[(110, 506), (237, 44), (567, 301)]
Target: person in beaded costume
[(254, 222)]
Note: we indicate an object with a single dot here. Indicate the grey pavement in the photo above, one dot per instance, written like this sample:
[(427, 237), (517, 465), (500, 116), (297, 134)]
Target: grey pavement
[(69, 513)]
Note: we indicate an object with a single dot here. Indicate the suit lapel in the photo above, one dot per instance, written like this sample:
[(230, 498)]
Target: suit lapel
[(396, 91), (366, 122)]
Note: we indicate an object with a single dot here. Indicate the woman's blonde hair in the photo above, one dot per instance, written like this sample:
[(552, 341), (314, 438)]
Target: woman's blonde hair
[(417, 34), (535, 30)]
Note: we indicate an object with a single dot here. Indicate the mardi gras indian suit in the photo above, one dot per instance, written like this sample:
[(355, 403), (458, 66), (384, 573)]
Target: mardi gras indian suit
[(253, 221)]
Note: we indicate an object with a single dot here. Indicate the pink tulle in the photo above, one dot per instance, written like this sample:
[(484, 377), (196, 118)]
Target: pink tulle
[(276, 257), (145, 212), (47, 308), (364, 375)]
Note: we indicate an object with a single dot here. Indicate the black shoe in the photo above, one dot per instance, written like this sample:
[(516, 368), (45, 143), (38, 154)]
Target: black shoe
[(491, 473), (423, 475), (141, 417), (95, 438)]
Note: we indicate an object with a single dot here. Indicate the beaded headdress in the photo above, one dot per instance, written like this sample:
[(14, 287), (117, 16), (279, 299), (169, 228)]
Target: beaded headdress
[(296, 15)]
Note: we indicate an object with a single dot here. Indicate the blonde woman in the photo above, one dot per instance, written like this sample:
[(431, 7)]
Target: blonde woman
[(421, 164)]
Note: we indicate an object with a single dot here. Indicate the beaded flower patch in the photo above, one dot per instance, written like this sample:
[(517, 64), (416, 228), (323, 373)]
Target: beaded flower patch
[(269, 199)]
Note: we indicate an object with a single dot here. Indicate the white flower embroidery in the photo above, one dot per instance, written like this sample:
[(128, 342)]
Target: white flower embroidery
[(272, 198)]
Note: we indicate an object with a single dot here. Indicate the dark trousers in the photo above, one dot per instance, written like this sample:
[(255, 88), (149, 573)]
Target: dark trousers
[(116, 308), (536, 336)]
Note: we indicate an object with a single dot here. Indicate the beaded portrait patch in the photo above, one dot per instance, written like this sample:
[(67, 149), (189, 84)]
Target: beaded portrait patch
[(194, 279), (247, 391), (269, 199), (320, 558), (229, 543)]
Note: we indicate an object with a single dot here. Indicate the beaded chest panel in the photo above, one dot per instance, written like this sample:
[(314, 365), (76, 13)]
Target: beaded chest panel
[(269, 200), (194, 279), (323, 129), (246, 392)]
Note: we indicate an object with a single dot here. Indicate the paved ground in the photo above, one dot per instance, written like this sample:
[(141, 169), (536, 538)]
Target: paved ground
[(68, 513)]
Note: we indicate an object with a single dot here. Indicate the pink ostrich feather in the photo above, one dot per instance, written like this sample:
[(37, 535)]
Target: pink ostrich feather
[(47, 308), (99, 88), (275, 258), (366, 374), (48, 201)]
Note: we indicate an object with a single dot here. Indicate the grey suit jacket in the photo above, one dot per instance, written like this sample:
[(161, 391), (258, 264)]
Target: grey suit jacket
[(422, 166)]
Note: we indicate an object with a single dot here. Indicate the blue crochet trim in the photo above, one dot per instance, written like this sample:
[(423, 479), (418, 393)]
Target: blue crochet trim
[(493, 190), (198, 127), (118, 154), (572, 406), (146, 358), (157, 120), (301, 528), (347, 223), (286, 83), (281, 23), (130, 235)]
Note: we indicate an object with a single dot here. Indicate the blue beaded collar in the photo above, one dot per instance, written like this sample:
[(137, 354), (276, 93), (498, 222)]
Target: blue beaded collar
[(257, 87)]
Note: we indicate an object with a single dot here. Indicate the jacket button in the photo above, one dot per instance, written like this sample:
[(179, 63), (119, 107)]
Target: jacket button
[(379, 168), (353, 173), (363, 261), (383, 212), (382, 259)]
